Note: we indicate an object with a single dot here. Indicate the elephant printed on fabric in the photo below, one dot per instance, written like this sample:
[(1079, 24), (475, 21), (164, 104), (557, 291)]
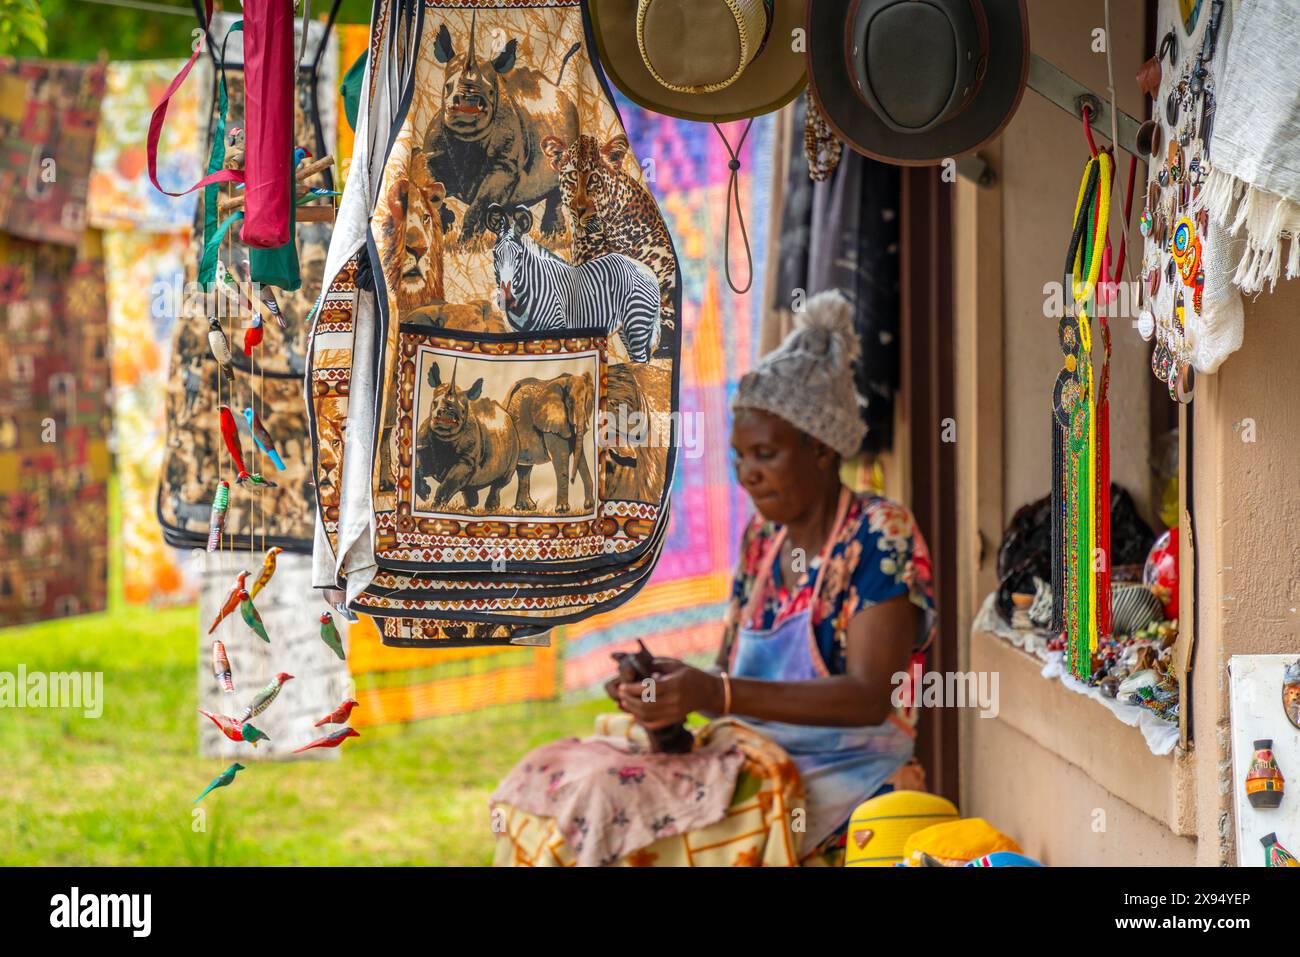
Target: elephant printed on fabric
[(485, 143), (466, 444), (553, 418)]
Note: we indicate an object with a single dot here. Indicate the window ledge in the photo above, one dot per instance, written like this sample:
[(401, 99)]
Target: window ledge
[(1085, 733)]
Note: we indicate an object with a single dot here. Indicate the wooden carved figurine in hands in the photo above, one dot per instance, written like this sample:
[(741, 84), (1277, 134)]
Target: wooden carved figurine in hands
[(637, 666)]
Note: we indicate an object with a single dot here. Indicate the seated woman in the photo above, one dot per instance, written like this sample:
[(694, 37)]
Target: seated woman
[(831, 600)]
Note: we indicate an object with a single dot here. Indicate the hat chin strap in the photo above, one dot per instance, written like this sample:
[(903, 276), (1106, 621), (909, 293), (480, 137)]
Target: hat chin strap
[(753, 21), (966, 83)]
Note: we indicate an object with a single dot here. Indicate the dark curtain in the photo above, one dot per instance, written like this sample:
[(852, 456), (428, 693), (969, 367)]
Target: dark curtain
[(843, 233)]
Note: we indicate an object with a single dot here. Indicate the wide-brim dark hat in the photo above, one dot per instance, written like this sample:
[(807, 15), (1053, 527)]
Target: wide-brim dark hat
[(914, 82), (703, 60)]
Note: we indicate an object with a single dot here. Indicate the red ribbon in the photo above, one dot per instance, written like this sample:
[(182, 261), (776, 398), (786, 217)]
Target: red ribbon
[(160, 114)]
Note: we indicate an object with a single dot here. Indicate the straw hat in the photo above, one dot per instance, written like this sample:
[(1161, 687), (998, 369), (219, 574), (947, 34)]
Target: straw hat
[(913, 82), (705, 60)]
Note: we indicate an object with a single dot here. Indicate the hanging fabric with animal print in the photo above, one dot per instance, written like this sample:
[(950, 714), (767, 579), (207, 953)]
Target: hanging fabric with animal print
[(509, 388), (198, 384)]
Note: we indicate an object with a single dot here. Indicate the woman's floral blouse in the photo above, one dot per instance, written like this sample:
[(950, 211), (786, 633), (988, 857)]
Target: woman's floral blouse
[(879, 554)]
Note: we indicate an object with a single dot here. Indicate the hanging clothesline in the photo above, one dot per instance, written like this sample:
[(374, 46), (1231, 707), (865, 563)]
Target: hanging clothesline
[(141, 5)]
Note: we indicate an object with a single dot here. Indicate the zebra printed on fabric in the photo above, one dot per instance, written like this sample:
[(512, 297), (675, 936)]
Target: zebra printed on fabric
[(542, 292)]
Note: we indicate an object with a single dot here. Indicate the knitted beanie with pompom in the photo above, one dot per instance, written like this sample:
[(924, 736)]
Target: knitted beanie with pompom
[(808, 379)]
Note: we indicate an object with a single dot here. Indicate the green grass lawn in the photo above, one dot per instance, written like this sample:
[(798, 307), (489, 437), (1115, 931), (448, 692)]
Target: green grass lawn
[(118, 790)]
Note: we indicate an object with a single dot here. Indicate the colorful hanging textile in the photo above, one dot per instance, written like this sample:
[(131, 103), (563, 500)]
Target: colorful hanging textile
[(397, 685), (121, 196), (142, 270), (1077, 536), (1191, 247), (458, 249), (49, 113), (54, 418), (195, 455), (146, 242), (679, 613), (269, 52), (840, 232), (354, 41)]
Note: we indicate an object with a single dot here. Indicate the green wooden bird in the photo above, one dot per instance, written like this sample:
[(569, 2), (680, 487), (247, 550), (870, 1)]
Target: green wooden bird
[(224, 779), (256, 481), (253, 735), (251, 617), (330, 635)]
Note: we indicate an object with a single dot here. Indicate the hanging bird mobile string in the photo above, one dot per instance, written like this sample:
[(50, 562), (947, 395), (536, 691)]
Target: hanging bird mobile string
[(243, 299)]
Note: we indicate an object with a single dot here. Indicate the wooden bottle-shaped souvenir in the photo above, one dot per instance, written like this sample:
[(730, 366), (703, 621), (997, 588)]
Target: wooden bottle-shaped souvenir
[(1264, 782), (1275, 855)]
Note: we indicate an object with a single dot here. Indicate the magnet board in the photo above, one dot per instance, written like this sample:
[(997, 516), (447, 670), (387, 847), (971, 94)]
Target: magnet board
[(1255, 695)]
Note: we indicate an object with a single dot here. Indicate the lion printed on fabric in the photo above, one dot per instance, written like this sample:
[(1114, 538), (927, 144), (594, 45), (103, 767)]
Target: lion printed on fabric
[(610, 211), (485, 143), (419, 212)]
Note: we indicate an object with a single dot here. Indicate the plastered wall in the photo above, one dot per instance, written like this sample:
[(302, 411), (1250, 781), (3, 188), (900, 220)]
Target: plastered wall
[(1246, 512)]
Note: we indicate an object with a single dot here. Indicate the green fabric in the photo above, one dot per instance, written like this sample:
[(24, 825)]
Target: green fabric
[(350, 89), (216, 160), (278, 267)]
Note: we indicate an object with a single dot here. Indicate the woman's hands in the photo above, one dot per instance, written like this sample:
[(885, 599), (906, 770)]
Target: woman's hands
[(675, 690)]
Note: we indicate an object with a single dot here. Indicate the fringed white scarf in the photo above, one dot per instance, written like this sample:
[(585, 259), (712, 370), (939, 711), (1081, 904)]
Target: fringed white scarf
[(1253, 189)]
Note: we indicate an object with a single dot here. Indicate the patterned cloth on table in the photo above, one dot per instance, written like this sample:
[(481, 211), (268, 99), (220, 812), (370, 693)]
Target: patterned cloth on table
[(679, 612), (49, 113), (754, 831), (54, 421)]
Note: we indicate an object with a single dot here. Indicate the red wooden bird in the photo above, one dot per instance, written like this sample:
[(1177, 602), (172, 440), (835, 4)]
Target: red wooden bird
[(331, 740), (230, 432), (253, 336), (340, 714), (231, 602)]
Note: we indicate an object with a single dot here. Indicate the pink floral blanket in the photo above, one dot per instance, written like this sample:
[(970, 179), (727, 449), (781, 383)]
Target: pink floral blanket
[(611, 796)]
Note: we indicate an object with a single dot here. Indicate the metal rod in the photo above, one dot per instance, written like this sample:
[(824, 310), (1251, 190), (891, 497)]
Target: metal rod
[(1072, 96)]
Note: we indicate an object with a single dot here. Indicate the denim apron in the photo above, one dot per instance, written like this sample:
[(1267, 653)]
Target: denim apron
[(840, 767)]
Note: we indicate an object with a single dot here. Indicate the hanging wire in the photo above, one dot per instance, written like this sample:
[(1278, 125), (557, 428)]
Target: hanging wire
[(146, 7)]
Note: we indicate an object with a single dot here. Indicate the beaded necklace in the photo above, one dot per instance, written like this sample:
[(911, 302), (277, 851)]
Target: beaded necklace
[(1075, 476)]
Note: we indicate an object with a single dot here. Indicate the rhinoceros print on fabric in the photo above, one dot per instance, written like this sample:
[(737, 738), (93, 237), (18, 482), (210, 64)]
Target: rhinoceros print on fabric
[(485, 143), (466, 444)]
